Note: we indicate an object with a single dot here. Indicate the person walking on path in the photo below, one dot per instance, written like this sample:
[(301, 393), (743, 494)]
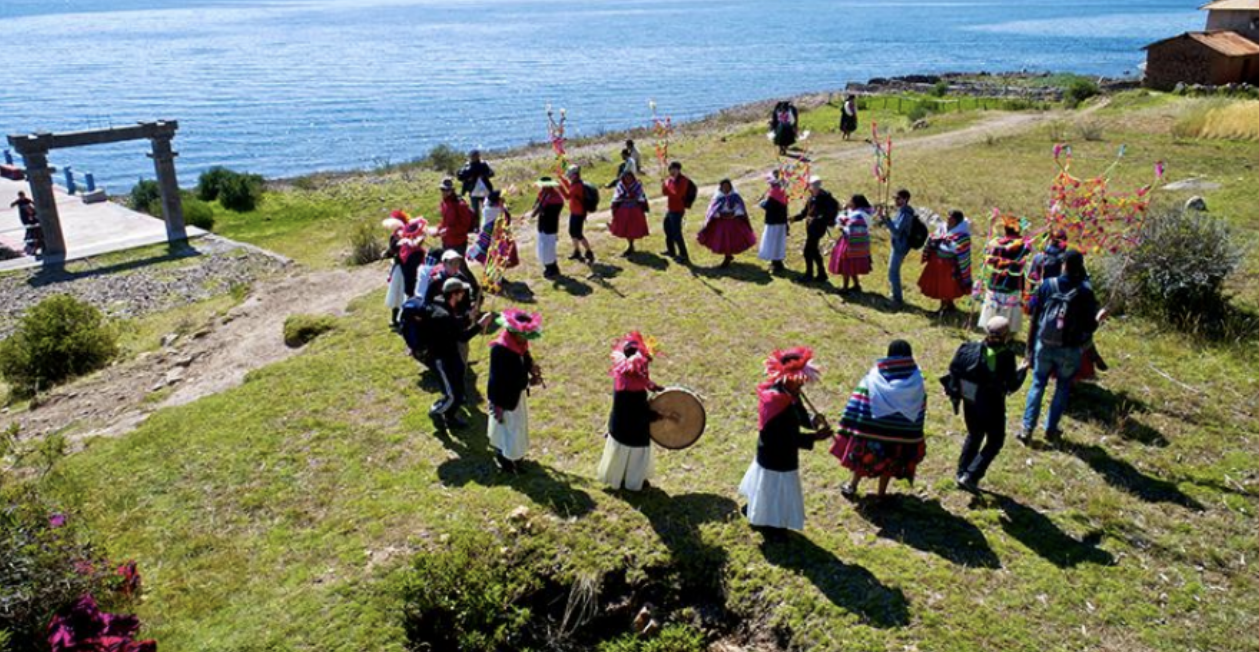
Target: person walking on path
[(1004, 258), (444, 328), (512, 372), (629, 209), (576, 192), (774, 236), (881, 431), (726, 229), (33, 238), (851, 257), (547, 208), (899, 227), (680, 193), (1063, 320), (981, 376), (474, 180), (848, 117), (947, 263), (820, 210)]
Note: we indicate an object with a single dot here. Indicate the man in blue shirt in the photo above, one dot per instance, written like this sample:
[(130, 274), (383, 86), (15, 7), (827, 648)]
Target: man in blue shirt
[(899, 226), (1064, 318)]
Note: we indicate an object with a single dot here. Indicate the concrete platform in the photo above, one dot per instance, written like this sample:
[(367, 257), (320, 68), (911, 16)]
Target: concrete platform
[(89, 229)]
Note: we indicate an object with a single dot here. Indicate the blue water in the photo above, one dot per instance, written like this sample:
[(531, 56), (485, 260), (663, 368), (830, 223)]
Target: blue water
[(284, 87)]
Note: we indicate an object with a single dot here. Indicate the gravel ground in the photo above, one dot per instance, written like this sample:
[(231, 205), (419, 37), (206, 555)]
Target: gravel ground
[(131, 289)]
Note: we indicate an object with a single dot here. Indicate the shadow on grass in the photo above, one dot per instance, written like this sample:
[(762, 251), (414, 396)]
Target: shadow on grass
[(1113, 413), (517, 291), (739, 271), (850, 587), (880, 303), (1036, 531), (573, 286), (55, 272), (648, 259), (677, 520), (546, 487), (926, 525), (1127, 478)]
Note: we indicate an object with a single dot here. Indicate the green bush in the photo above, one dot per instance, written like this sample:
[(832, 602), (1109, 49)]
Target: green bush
[(1079, 91), (367, 243), (672, 638), (211, 181), (198, 213), (146, 195), (1177, 271), (940, 89), (444, 158), (468, 596), (299, 330), (60, 338), (918, 113), (240, 192)]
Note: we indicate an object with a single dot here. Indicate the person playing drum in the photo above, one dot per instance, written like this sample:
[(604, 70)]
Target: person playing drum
[(627, 460), (772, 484)]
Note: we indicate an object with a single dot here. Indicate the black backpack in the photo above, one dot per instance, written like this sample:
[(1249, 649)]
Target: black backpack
[(415, 324), (692, 192), (590, 197), (918, 233), (1065, 319)]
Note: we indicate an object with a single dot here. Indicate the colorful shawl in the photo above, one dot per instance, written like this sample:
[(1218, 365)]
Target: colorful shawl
[(889, 404), (955, 246), (632, 193), (720, 204), (854, 226), (1004, 261)]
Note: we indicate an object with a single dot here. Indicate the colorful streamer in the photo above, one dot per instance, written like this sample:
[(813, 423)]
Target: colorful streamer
[(882, 167), (555, 134), (662, 130)]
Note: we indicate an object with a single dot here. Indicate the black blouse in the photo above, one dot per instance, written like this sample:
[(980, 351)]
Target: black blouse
[(780, 442), (631, 418), (509, 376)]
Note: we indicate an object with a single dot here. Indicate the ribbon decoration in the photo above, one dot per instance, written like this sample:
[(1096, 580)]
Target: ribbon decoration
[(1094, 218), (662, 130), (555, 135), (882, 167), (501, 242), (794, 170)]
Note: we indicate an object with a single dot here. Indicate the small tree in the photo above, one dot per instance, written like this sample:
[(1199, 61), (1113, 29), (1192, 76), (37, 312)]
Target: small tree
[(210, 181), (60, 338), (145, 195), (241, 192), (1079, 91)]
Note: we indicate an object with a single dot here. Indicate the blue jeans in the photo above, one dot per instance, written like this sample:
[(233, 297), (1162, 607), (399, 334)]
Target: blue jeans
[(674, 234), (895, 259), (1062, 362)]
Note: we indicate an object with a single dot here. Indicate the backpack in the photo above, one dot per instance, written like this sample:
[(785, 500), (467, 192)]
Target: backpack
[(918, 233), (1064, 320), (692, 192), (590, 197), (414, 330)]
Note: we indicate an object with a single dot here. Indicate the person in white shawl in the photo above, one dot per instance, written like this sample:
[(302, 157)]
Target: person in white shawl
[(881, 432)]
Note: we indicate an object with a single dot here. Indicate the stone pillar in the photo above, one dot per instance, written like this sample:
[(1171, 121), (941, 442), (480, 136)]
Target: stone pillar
[(40, 177), (172, 208)]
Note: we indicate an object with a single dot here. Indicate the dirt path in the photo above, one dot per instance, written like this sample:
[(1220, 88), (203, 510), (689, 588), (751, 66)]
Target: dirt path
[(218, 356), (214, 358)]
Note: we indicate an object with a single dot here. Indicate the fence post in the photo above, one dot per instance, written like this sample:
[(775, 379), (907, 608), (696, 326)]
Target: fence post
[(90, 180), (8, 157), (69, 179)]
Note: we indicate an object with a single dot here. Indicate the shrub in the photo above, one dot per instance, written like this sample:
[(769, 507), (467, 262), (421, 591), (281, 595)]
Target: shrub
[(60, 338), (672, 638), (240, 192), (366, 244), (444, 158), (1079, 91), (918, 113), (1176, 272), (211, 181), (145, 195), (299, 330), (939, 89), (199, 214), (1089, 130), (462, 598)]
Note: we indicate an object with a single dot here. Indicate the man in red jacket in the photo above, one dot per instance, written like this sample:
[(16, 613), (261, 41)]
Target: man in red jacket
[(679, 192), (457, 219), (574, 191)]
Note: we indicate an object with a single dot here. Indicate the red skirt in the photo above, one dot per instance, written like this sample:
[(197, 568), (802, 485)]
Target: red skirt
[(629, 222), (938, 280), (844, 264), (727, 236), (872, 458)]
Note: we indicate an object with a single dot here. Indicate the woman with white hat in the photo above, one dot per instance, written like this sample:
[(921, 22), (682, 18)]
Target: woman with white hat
[(547, 209)]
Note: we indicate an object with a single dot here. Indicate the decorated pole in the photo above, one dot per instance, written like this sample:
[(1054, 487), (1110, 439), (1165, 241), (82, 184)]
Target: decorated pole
[(663, 130)]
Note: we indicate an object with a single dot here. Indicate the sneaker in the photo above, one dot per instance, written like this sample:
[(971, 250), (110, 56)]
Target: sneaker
[(457, 421), (965, 483), (590, 256), (576, 255), (822, 279), (805, 278), (1054, 436), (848, 491), (1024, 436)]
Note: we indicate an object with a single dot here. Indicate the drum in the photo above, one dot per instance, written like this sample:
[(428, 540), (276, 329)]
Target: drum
[(682, 418)]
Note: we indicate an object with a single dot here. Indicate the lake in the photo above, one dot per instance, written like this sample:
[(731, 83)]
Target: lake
[(285, 87)]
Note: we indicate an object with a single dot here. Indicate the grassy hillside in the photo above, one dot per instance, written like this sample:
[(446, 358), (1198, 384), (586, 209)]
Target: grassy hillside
[(279, 515)]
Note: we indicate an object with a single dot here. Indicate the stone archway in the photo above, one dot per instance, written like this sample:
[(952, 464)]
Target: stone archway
[(34, 149)]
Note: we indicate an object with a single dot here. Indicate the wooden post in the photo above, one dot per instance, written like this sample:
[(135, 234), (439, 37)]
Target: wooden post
[(172, 208), (39, 175)]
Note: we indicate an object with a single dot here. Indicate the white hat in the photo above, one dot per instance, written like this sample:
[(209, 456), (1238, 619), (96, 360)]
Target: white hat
[(455, 285), (451, 254), (998, 325), (815, 180)]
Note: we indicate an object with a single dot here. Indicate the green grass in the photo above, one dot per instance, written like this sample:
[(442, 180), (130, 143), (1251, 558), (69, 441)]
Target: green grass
[(278, 515)]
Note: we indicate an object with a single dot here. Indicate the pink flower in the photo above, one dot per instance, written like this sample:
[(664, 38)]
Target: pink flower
[(56, 520)]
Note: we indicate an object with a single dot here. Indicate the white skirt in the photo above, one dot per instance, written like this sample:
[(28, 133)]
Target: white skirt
[(625, 466), (512, 436), (547, 248), (773, 242), (423, 278), (774, 498), (396, 295), (1002, 304)]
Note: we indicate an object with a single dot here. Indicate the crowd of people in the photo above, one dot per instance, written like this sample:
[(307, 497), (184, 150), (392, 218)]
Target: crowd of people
[(436, 304)]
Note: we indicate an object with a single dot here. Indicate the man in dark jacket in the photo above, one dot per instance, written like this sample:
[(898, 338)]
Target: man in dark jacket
[(1064, 318), (821, 211), (981, 376), (444, 330), (474, 179)]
